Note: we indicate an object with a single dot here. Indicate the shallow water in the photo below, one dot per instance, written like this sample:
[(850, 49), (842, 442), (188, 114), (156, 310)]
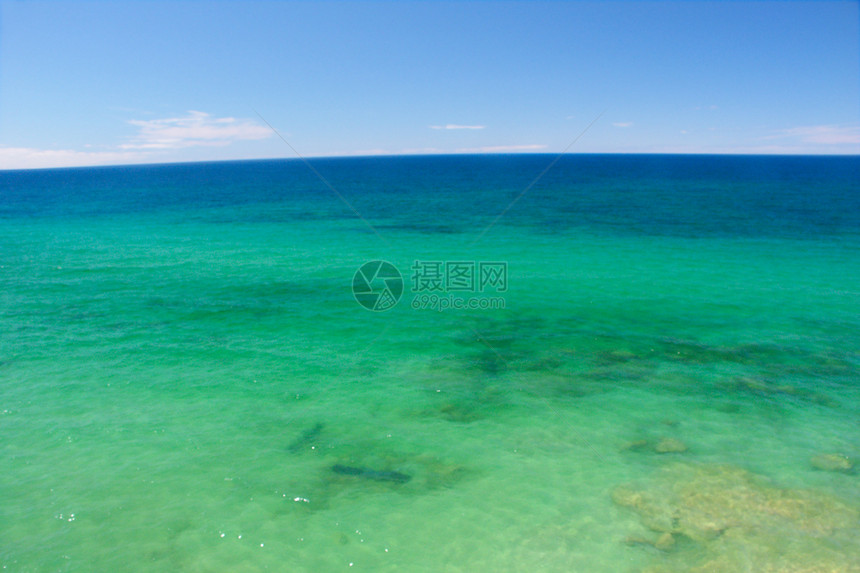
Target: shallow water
[(182, 361)]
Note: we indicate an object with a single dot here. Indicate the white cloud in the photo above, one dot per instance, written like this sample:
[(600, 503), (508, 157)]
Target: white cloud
[(364, 152), (501, 148), (623, 124), (195, 129), (455, 126), (30, 158), (154, 138), (821, 134), (748, 149), (420, 151)]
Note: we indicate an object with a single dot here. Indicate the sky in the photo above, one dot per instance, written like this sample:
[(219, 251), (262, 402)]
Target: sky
[(105, 83)]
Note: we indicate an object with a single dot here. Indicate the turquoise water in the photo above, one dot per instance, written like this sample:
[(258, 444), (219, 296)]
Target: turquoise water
[(183, 363)]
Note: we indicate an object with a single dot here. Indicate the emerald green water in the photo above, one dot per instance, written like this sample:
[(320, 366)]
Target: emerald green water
[(177, 381)]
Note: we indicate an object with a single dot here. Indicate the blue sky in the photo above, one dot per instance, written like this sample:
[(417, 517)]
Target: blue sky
[(91, 83)]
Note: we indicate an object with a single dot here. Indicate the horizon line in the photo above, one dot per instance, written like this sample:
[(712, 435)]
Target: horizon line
[(447, 154)]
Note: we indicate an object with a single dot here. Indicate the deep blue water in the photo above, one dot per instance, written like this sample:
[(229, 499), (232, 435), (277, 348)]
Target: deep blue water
[(636, 194)]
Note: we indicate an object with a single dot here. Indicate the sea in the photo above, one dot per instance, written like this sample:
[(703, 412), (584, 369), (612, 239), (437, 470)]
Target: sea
[(465, 363)]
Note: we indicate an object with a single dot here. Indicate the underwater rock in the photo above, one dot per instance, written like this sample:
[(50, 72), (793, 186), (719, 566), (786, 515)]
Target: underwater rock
[(757, 386), (638, 540), (665, 542), (439, 473), (755, 551), (703, 501), (460, 412), (307, 440), (664, 446), (832, 463), (635, 445), (738, 521), (614, 357), (367, 473), (670, 446), (772, 389)]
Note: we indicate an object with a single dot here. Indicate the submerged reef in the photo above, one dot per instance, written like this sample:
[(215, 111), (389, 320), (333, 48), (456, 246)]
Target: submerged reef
[(832, 463), (724, 519)]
